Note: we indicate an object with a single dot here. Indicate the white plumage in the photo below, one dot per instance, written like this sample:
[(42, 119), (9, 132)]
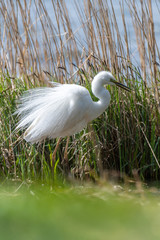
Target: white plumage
[(62, 110)]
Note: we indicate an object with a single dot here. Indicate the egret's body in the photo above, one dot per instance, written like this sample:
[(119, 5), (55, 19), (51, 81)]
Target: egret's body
[(64, 109)]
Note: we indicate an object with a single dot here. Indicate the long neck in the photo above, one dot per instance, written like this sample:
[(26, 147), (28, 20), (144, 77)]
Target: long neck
[(102, 94)]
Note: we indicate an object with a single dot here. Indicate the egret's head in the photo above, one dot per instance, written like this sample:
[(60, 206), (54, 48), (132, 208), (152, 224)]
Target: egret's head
[(107, 78)]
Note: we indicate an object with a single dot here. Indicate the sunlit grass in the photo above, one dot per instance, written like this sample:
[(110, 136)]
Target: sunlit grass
[(123, 138), (122, 144), (79, 212), (127, 135)]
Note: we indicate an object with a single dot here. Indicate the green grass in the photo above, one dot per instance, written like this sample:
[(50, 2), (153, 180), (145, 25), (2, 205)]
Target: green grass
[(123, 143), (122, 139), (78, 212)]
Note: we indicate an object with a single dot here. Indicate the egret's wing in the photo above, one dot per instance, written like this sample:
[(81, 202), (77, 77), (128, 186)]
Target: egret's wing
[(51, 112)]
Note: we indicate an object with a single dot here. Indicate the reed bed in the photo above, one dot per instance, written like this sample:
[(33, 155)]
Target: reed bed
[(123, 141)]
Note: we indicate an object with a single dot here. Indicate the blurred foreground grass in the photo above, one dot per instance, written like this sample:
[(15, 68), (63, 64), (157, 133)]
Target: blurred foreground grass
[(99, 212)]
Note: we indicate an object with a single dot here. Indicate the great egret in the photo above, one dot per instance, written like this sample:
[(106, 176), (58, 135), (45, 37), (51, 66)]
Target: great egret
[(63, 110)]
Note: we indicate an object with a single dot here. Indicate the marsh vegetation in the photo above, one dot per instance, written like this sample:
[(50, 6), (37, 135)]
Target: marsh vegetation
[(123, 141)]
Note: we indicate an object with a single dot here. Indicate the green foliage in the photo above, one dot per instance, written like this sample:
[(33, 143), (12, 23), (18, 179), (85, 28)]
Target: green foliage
[(124, 138), (41, 212), (117, 140)]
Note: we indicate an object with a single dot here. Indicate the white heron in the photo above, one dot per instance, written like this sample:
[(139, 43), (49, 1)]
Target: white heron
[(64, 109)]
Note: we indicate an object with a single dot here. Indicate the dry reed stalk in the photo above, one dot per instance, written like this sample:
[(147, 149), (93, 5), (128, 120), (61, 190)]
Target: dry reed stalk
[(100, 29), (118, 139), (153, 46), (29, 56), (145, 35), (126, 40), (119, 43)]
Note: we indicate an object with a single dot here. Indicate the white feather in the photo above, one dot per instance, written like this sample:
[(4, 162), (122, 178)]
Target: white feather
[(53, 112), (64, 109)]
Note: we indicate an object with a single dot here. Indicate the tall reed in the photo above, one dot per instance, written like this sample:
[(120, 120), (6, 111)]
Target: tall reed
[(127, 135)]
